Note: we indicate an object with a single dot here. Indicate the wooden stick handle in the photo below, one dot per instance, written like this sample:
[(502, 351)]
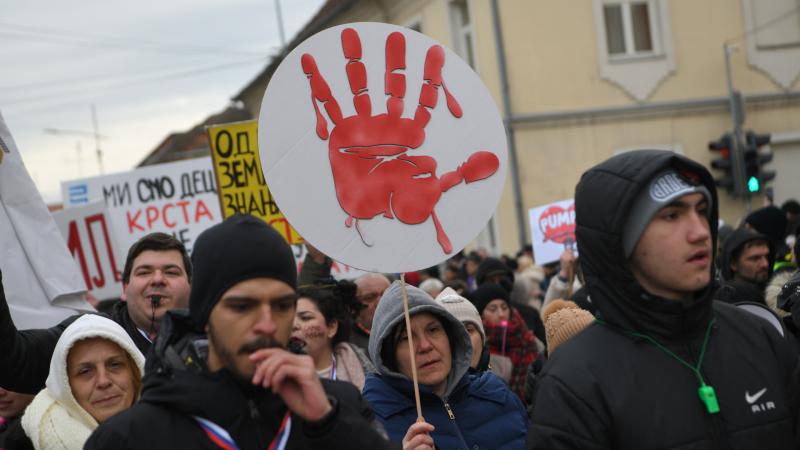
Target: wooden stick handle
[(411, 348)]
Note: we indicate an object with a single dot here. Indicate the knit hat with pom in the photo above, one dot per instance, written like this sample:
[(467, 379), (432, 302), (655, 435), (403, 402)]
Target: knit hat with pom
[(563, 320)]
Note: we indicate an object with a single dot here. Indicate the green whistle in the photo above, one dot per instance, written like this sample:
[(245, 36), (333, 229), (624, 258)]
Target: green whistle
[(709, 398)]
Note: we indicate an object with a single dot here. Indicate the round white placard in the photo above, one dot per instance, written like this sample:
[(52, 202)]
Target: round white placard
[(368, 187)]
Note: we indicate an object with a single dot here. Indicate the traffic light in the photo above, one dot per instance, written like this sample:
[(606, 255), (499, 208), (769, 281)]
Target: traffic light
[(755, 158), (724, 145)]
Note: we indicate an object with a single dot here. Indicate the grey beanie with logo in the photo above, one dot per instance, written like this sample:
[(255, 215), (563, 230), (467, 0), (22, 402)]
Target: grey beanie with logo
[(664, 188)]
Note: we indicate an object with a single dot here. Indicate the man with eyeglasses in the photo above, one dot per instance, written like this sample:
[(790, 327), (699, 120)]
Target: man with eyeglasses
[(369, 289)]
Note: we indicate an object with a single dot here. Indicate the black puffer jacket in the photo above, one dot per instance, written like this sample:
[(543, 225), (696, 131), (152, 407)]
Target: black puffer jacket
[(177, 386), (13, 437), (28, 352), (606, 388)]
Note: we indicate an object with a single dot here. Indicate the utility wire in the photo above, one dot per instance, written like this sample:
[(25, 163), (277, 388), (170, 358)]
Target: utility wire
[(12, 35), (66, 37), (84, 79), (110, 45), (176, 75)]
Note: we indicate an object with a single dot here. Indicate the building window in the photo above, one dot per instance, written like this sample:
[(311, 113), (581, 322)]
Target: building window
[(634, 44), (630, 28), (461, 25), (777, 24), (773, 38)]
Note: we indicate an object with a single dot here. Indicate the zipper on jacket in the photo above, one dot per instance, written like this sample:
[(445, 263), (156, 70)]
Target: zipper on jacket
[(254, 414), (449, 411), (718, 435), (719, 432), (455, 425)]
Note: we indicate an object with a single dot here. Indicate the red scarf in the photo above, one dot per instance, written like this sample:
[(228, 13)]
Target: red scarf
[(520, 347)]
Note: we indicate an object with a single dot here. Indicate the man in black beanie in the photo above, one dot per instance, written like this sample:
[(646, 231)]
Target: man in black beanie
[(771, 222), (239, 388)]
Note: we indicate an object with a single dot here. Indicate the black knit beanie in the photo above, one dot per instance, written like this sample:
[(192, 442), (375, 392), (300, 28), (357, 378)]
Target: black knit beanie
[(492, 266), (486, 293), (240, 248), (769, 221)]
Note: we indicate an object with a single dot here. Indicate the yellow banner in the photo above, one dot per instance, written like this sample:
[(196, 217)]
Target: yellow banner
[(240, 180)]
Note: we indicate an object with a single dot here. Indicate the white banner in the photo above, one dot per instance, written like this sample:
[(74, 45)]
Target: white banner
[(178, 198), (552, 230), (92, 242), (40, 279)]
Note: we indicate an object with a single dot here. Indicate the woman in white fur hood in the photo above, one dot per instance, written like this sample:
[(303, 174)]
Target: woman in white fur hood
[(96, 371)]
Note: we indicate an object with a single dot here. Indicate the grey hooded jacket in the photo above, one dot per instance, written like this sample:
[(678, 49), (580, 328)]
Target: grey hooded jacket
[(390, 313), (476, 411)]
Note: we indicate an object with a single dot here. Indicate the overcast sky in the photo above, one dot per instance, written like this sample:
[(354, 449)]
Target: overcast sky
[(149, 67)]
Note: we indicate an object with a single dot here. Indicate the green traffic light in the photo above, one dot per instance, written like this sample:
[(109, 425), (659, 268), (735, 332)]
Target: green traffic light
[(752, 184)]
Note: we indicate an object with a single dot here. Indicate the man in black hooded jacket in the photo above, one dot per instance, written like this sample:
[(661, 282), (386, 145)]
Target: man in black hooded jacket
[(239, 388), (746, 266), (663, 366)]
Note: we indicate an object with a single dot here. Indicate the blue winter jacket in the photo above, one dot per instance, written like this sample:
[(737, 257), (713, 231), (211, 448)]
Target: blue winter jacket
[(476, 411), (481, 412)]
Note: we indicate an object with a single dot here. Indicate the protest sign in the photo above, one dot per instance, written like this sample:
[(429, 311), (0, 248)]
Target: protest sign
[(92, 242), (41, 282), (374, 182), (552, 230), (242, 189), (178, 198)]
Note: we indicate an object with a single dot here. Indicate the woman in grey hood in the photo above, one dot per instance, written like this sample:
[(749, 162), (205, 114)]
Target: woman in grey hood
[(465, 410)]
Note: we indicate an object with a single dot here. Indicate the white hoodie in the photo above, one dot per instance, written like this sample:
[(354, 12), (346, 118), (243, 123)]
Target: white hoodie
[(55, 420)]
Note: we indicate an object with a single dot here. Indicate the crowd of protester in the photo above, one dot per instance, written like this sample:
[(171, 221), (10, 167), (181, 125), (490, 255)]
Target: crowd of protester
[(635, 340)]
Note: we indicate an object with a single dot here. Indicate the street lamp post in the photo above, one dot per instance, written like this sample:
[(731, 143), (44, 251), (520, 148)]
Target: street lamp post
[(94, 134), (97, 139)]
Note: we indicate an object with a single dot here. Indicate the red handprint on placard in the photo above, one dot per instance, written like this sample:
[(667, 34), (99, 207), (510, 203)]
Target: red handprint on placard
[(372, 172)]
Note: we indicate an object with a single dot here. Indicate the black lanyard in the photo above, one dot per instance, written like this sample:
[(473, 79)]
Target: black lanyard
[(707, 394)]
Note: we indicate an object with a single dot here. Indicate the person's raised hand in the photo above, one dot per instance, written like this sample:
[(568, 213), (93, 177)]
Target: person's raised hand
[(317, 255), (294, 378), (567, 261)]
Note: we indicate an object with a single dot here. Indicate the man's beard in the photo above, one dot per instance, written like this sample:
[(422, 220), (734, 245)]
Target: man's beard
[(760, 279), (227, 356)]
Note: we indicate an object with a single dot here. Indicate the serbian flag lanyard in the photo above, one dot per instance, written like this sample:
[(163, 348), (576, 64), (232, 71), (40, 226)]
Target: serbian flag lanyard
[(219, 436)]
